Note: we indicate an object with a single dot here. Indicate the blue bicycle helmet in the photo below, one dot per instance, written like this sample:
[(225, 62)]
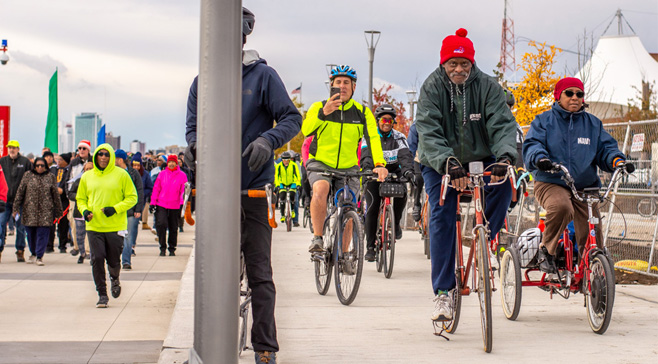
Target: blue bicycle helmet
[(343, 70)]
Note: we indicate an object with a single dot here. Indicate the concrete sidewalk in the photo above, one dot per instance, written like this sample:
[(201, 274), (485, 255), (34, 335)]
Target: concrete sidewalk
[(389, 320), (48, 314)]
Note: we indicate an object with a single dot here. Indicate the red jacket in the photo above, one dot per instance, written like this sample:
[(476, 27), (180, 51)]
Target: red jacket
[(3, 186), (169, 189)]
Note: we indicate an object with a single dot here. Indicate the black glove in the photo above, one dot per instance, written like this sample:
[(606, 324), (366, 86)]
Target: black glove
[(151, 208), (410, 176), (261, 152), (109, 211), (86, 215), (456, 172), (544, 164), (500, 169), (190, 156), (630, 167), (2, 206)]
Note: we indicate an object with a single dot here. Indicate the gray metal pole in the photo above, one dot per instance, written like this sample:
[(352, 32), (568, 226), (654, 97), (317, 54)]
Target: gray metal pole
[(372, 44), (216, 298)]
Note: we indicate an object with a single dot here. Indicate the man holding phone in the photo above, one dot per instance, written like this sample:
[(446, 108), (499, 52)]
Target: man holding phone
[(338, 125)]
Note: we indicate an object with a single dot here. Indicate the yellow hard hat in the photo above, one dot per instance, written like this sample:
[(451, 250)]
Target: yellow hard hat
[(13, 143)]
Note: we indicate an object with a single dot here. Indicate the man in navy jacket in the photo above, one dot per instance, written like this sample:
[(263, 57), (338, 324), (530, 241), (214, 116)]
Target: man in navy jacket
[(568, 135), (264, 99)]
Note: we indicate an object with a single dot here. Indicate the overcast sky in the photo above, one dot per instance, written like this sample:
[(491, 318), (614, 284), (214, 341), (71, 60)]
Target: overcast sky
[(134, 60)]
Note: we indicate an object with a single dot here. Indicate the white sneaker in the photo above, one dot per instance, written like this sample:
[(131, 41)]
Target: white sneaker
[(442, 308), (31, 259), (39, 261)]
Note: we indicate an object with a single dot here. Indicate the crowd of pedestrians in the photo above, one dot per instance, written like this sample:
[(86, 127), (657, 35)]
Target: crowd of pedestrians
[(91, 202)]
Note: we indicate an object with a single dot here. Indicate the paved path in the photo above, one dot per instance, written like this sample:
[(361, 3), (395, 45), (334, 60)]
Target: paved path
[(48, 314)]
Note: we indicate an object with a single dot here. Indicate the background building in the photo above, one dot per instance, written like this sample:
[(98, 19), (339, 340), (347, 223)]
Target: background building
[(86, 126), (137, 146), (114, 141), (66, 142)]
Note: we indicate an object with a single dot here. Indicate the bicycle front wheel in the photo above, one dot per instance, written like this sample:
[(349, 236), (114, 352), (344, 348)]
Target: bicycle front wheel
[(647, 207), (288, 217), (349, 257), (601, 294), (323, 262), (483, 277), (388, 248), (510, 283), (451, 326)]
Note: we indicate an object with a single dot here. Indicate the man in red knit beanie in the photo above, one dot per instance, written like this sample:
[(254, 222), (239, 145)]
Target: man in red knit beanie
[(462, 117)]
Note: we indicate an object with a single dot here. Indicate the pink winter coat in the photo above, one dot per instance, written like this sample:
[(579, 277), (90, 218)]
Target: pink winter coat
[(169, 189), (305, 149)]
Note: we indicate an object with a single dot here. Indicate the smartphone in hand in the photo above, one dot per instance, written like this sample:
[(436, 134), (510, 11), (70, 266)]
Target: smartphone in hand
[(334, 91)]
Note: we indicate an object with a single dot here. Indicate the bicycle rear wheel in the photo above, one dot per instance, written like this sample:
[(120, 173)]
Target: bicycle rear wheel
[(601, 295), (379, 256), (647, 207), (483, 277), (388, 249), (510, 283), (349, 264), (245, 302), (323, 262)]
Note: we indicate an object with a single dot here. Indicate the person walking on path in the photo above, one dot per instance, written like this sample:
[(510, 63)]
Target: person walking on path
[(147, 183), (39, 199), (266, 100), (76, 167), (135, 213), (14, 166), (104, 196), (167, 197), (80, 230), (62, 222)]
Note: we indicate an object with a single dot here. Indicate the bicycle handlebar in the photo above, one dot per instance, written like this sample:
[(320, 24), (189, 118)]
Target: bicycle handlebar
[(473, 177), (569, 181)]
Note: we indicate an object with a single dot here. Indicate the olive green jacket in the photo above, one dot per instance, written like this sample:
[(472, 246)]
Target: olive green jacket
[(488, 130)]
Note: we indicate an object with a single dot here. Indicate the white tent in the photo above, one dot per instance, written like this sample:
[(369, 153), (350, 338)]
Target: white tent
[(618, 64)]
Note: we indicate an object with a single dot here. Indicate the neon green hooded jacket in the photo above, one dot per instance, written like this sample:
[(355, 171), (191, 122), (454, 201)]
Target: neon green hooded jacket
[(111, 187)]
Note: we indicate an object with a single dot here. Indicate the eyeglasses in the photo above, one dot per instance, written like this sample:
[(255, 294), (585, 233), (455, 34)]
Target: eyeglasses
[(103, 154), (386, 120), (569, 93), (39, 166)]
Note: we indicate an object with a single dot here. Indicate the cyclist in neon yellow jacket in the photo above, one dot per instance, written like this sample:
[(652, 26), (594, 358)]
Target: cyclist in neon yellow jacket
[(338, 125), (287, 177)]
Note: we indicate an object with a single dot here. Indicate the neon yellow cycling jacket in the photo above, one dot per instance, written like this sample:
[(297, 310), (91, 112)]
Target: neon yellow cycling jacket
[(337, 135)]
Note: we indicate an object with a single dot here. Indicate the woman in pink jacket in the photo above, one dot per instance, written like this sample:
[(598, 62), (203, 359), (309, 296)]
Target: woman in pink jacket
[(167, 197)]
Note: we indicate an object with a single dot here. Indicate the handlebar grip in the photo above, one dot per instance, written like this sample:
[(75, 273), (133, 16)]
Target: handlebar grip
[(256, 193)]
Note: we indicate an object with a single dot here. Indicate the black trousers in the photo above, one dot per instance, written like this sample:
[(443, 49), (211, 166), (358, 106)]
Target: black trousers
[(63, 232), (256, 246), (282, 201), (105, 247), (373, 201), (167, 220), (420, 182)]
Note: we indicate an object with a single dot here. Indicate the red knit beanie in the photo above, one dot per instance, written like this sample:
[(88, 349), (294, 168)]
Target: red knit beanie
[(564, 84), (457, 46), (172, 157)]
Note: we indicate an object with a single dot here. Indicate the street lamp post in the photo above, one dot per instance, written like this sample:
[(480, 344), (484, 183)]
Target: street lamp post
[(372, 44), (411, 95), (4, 58)]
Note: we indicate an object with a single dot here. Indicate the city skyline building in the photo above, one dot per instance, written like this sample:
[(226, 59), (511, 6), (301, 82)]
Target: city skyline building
[(114, 141), (86, 127), (137, 146), (66, 142)]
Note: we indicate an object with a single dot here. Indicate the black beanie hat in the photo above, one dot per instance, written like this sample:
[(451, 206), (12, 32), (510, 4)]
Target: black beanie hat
[(66, 157)]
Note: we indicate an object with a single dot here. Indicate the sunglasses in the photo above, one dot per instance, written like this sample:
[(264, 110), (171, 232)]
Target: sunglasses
[(39, 166), (386, 121), (103, 154), (569, 93), (81, 148)]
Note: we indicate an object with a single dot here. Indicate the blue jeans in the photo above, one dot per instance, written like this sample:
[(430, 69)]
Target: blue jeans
[(129, 239), (20, 229), (443, 232)]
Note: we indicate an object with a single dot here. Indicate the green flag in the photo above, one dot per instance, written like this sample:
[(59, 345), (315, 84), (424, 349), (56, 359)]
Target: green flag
[(52, 126)]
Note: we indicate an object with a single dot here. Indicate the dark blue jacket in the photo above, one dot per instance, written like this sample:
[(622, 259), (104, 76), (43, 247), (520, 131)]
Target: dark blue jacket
[(576, 140), (147, 183), (412, 139), (264, 100)]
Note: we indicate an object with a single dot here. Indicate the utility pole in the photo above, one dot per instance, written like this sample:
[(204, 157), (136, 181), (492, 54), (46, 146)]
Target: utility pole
[(372, 44)]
